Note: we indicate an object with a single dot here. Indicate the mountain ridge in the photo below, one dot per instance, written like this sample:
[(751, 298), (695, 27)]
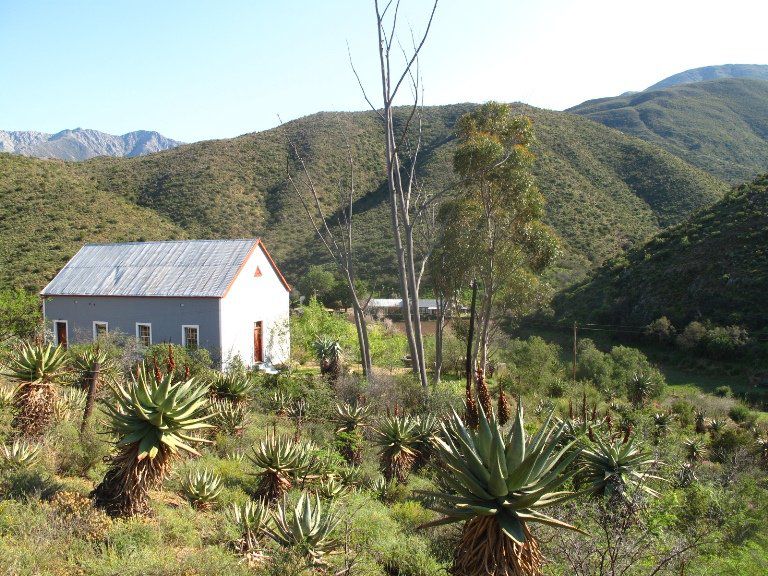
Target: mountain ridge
[(721, 126), (82, 143), (717, 72)]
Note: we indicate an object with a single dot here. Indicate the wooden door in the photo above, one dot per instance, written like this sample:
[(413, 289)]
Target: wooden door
[(258, 347), (61, 334)]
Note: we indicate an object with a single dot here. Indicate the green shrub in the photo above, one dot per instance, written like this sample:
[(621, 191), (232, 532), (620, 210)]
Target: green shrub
[(723, 391)]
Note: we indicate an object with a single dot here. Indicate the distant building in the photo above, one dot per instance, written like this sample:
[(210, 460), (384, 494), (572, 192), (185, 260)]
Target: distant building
[(226, 296), (393, 307)]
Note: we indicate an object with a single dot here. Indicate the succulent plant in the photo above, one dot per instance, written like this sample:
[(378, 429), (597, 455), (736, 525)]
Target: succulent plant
[(611, 466), (280, 401), (382, 488), (427, 430), (69, 401), (329, 353), (661, 423), (20, 454), (201, 488), (497, 483), (229, 417), (331, 487), (84, 361), (716, 425), (252, 519), (297, 410), (695, 449), (396, 436), (350, 418), (279, 459), (232, 386), (38, 369), (349, 475), (686, 475), (639, 389), (8, 392), (153, 420), (308, 529), (700, 422)]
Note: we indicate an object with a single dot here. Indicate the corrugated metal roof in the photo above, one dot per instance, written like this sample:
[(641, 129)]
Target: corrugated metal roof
[(186, 268)]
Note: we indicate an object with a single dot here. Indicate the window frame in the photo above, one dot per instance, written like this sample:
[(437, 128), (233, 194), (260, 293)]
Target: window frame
[(95, 333), (184, 334), (138, 336)]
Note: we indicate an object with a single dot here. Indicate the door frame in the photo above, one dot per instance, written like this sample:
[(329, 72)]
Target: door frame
[(260, 358), (56, 332)]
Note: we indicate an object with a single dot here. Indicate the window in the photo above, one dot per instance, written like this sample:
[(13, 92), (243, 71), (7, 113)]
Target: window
[(190, 336), (100, 329), (144, 333)]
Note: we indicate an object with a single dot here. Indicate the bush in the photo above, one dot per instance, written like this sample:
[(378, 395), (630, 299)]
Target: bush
[(723, 392), (742, 415)]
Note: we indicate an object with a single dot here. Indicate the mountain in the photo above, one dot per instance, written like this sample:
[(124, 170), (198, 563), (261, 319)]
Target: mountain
[(606, 190), (713, 266), (721, 126), (753, 71), (81, 144)]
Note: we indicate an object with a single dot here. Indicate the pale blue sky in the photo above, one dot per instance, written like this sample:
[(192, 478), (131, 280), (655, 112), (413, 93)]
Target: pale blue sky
[(212, 69)]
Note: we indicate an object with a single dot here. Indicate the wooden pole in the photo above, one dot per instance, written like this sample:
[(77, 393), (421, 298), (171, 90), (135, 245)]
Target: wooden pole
[(89, 399), (471, 334)]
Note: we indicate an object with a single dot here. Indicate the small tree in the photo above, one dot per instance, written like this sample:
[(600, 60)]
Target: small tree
[(496, 225)]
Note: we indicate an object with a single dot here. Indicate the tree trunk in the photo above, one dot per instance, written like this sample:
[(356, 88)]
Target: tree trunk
[(93, 386), (439, 325), (362, 336), (414, 290)]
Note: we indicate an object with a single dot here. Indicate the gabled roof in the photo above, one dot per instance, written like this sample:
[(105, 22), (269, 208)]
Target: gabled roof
[(179, 268)]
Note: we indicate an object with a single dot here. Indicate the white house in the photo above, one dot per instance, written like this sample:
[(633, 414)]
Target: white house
[(227, 296)]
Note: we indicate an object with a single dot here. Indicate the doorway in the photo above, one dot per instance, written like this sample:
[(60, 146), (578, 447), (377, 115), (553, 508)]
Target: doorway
[(258, 343), (61, 333)]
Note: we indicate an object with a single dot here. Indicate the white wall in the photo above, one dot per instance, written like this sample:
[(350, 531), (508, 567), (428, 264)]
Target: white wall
[(249, 300)]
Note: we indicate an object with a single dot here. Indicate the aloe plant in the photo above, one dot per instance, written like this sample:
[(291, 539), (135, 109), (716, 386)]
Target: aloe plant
[(39, 370), (497, 483), (20, 454), (396, 436), (350, 419), (308, 529), (252, 519), (613, 465), (201, 488), (329, 354), (234, 387), (279, 459), (695, 450), (229, 417), (154, 419)]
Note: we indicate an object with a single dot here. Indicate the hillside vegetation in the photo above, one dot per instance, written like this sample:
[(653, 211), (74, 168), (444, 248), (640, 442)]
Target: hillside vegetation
[(714, 267), (720, 126), (49, 209), (605, 192)]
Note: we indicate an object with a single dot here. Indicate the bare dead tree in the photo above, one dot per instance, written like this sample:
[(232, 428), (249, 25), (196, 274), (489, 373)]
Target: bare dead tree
[(407, 200), (339, 245)]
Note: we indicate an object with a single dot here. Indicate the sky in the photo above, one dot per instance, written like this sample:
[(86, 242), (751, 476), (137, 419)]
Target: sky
[(196, 70)]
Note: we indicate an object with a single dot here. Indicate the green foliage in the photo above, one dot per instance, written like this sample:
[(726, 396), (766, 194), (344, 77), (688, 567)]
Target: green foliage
[(20, 314), (604, 190), (43, 364), (696, 122), (713, 266)]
